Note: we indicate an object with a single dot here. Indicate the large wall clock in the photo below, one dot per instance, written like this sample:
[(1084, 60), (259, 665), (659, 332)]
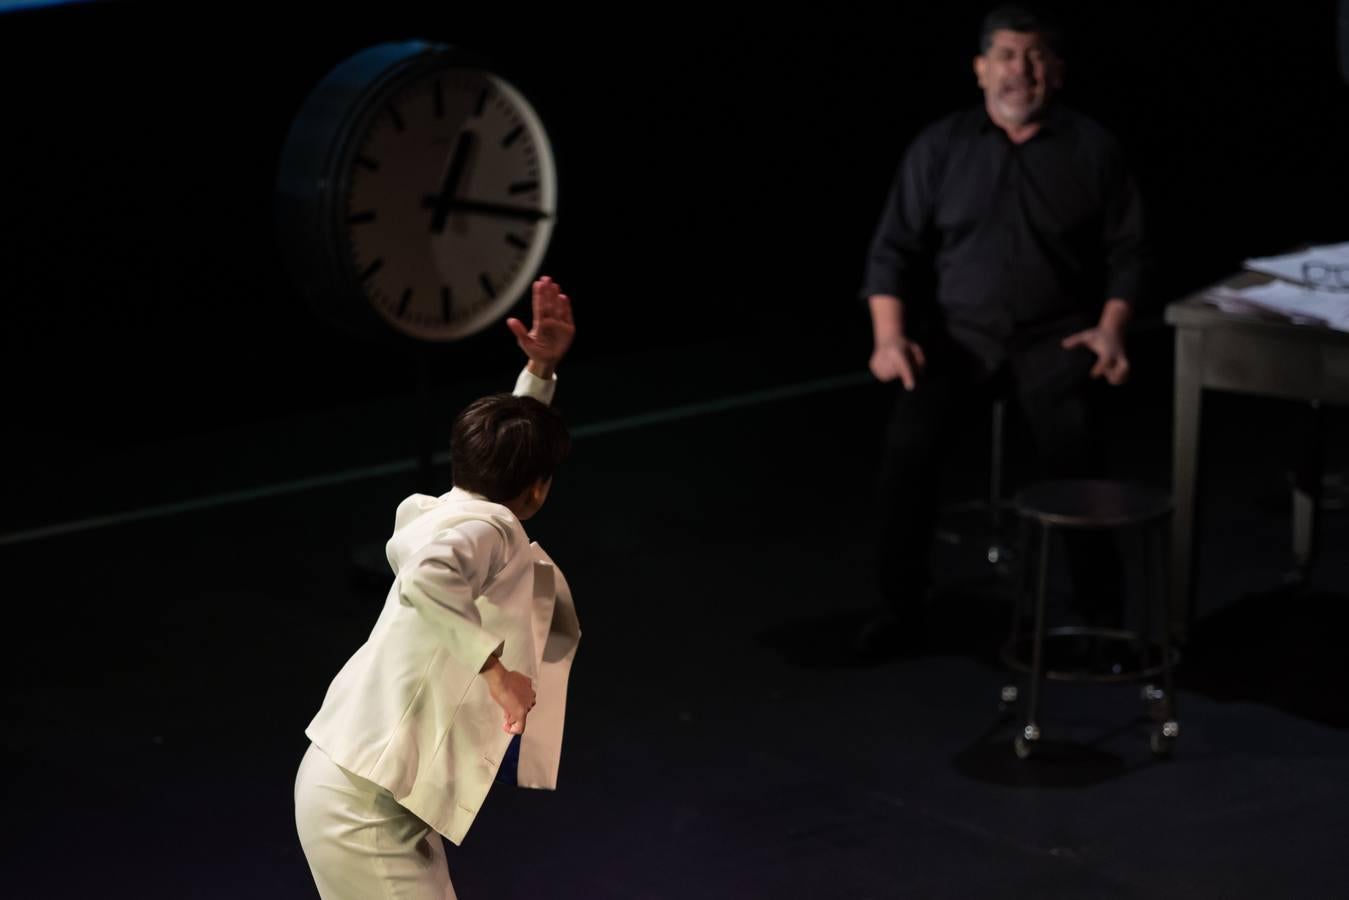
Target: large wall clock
[(416, 192)]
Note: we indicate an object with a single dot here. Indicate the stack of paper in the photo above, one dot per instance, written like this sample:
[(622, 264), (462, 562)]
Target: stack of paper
[(1324, 267), (1300, 304), (1311, 287)]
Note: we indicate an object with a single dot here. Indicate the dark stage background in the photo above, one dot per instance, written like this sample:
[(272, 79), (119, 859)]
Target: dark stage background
[(720, 172)]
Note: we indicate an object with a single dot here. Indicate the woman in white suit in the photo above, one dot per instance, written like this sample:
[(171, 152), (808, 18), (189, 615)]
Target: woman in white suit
[(476, 629)]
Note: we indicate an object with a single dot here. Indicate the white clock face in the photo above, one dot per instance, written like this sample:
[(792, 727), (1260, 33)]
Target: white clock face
[(449, 204)]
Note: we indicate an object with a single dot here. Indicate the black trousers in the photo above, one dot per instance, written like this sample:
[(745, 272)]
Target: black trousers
[(1053, 390)]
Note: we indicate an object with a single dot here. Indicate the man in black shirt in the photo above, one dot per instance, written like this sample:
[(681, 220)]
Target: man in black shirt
[(1008, 255)]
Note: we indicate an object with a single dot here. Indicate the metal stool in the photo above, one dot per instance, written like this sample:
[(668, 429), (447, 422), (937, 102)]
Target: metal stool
[(1098, 505), (994, 507)]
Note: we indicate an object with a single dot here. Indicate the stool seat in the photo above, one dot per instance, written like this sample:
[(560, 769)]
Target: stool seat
[(1083, 503)]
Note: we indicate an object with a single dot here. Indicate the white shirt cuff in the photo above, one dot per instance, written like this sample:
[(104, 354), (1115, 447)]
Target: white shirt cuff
[(531, 385)]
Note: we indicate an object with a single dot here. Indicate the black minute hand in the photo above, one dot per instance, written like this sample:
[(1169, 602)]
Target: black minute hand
[(496, 209)]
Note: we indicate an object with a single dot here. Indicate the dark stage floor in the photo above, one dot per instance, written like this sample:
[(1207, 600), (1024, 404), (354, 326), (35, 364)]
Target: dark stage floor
[(160, 670)]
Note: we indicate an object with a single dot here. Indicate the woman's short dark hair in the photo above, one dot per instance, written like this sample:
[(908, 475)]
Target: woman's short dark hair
[(1024, 19), (502, 444)]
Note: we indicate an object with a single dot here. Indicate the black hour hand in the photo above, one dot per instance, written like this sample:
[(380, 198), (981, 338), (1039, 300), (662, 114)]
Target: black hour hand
[(454, 173)]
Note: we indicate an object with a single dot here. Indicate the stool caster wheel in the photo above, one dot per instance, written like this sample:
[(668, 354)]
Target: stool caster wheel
[(1008, 698), (1025, 742), (1159, 706), (1162, 739), (1000, 558)]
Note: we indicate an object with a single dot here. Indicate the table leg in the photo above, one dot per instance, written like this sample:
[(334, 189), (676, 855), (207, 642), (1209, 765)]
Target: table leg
[(1189, 392)]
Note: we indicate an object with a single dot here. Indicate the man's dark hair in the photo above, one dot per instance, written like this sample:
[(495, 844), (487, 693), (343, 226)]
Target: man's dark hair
[(1025, 19), (502, 444)]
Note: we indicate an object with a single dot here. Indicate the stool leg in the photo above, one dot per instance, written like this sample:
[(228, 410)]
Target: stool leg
[(1164, 736), (997, 552), (1031, 733), (1024, 582), (1146, 589), (1010, 693), (995, 474), (1152, 695)]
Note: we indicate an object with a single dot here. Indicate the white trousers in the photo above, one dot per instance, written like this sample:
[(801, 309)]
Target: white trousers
[(361, 845)]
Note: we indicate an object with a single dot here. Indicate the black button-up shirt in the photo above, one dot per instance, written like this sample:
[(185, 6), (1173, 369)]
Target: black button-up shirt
[(1003, 244)]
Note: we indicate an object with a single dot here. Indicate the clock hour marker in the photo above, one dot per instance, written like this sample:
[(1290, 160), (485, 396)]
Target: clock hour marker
[(524, 187), (487, 285), (482, 102), (438, 95), (371, 269), (403, 303), (516, 241), (366, 162), (396, 118), (445, 303), (361, 218), (513, 136)]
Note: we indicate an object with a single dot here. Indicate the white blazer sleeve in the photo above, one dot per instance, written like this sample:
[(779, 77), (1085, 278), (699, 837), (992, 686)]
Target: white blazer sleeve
[(443, 580), (531, 385)]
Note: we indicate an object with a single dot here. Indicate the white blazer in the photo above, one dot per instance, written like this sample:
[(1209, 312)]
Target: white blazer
[(409, 711)]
